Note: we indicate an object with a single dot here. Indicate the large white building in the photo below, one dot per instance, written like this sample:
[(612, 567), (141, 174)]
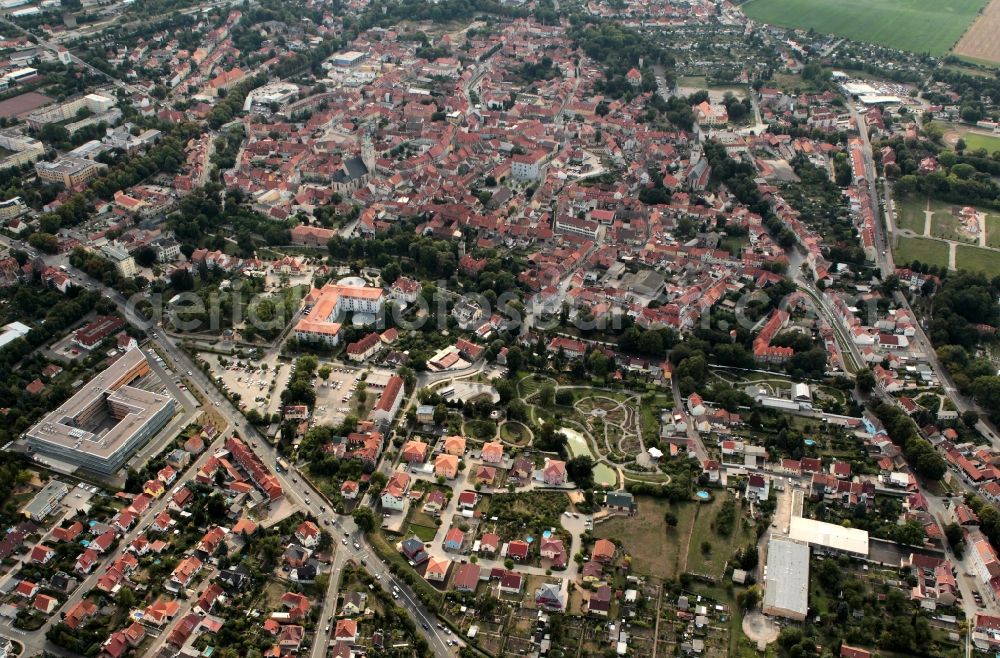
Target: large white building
[(984, 559), (123, 260), (786, 579), (321, 323), (829, 537), (107, 420), (12, 332), (527, 166)]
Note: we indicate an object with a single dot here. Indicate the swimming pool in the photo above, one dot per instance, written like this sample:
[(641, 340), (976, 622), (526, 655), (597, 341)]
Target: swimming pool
[(546, 534), (703, 495), (809, 442)]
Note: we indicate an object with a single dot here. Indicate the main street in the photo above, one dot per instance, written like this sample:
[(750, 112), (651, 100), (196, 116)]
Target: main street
[(296, 490)]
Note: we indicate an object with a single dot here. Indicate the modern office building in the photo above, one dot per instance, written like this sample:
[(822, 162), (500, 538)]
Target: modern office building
[(118, 254), (46, 500), (102, 426), (69, 171)]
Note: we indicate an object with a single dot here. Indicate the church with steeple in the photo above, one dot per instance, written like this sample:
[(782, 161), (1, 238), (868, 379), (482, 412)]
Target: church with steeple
[(356, 170)]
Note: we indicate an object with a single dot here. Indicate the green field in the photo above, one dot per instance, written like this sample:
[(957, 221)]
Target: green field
[(931, 252), (947, 226), (975, 141), (910, 213), (655, 548), (993, 231), (929, 26), (978, 259)]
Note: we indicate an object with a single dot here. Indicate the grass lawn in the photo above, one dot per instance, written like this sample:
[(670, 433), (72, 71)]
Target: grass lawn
[(993, 230), (978, 259), (655, 548), (925, 250), (910, 213), (723, 546), (426, 533), (733, 245), (650, 416), (975, 141), (947, 226), (917, 25)]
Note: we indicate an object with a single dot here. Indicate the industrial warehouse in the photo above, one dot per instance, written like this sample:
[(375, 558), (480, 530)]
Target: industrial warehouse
[(786, 579)]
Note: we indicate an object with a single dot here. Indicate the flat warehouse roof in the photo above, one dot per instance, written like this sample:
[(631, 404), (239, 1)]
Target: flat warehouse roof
[(786, 586), (828, 535)]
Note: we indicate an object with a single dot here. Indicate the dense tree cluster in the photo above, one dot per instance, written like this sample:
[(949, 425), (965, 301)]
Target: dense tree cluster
[(201, 214), (964, 316), (922, 456)]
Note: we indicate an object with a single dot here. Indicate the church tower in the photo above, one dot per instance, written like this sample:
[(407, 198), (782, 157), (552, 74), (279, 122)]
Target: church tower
[(368, 148)]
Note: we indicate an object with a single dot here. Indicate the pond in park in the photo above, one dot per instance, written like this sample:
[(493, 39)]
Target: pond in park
[(577, 444)]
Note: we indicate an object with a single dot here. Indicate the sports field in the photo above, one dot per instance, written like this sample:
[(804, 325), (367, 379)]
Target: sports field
[(975, 141), (931, 26)]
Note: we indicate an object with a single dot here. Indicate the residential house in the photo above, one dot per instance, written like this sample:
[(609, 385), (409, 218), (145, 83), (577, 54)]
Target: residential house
[(454, 540), (554, 472), (414, 452), (446, 466), (550, 597), (603, 551), (437, 569), (492, 452), (600, 602), (454, 445), (394, 493)]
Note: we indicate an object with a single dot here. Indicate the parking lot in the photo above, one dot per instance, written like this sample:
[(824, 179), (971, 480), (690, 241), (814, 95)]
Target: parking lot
[(338, 395), (258, 383)]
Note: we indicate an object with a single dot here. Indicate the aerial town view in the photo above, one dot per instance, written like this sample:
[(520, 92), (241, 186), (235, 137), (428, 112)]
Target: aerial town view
[(499, 328)]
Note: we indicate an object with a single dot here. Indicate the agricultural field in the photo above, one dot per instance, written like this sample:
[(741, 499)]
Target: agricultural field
[(915, 25), (925, 250), (978, 259), (980, 42)]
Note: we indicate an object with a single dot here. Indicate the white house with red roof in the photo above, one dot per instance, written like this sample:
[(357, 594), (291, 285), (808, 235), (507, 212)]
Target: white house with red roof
[(394, 494), (307, 534)]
